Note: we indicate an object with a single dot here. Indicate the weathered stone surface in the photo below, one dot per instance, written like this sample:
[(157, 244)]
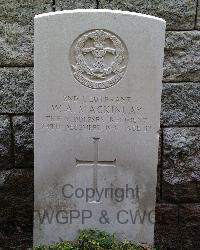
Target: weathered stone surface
[(16, 195), (167, 237), (181, 161), (189, 214), (167, 234), (177, 227), (23, 132), (71, 4), (198, 16), (189, 219), (16, 94), (5, 142), (179, 15), (190, 237), (166, 214), (72, 144), (182, 56), (159, 170), (180, 104), (16, 30)]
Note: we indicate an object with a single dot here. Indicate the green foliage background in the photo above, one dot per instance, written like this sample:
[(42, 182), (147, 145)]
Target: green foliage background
[(94, 240)]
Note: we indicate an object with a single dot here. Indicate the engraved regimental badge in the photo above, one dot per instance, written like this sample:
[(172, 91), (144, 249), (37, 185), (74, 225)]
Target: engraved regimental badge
[(98, 59)]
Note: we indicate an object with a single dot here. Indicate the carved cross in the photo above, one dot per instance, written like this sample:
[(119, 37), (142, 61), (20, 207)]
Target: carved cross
[(95, 164)]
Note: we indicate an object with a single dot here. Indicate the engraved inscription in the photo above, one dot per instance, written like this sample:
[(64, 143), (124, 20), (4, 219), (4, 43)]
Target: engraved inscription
[(97, 113), (98, 59), (95, 164)]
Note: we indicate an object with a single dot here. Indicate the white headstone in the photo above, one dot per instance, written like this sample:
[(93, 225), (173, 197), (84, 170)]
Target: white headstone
[(97, 113)]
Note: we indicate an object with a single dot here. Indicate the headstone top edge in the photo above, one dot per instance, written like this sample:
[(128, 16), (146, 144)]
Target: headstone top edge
[(98, 11)]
